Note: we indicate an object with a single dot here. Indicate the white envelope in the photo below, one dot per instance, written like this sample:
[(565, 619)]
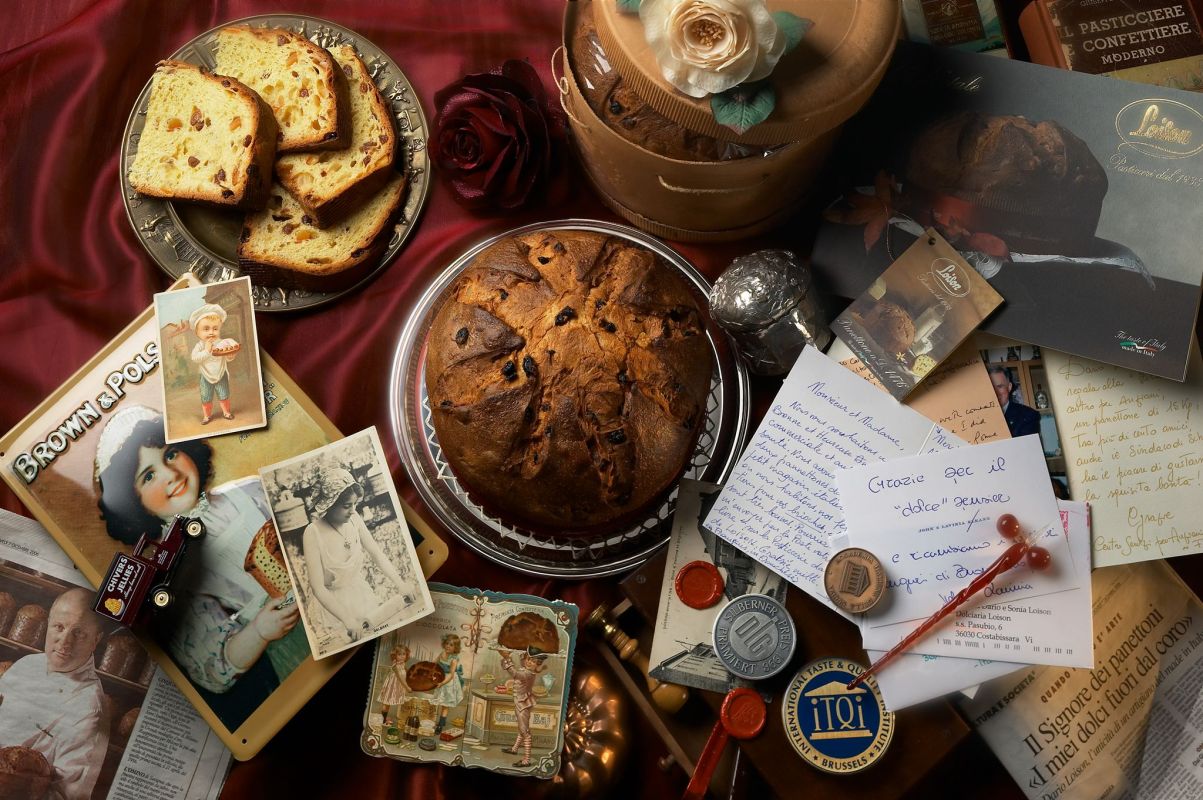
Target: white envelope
[(1062, 622)]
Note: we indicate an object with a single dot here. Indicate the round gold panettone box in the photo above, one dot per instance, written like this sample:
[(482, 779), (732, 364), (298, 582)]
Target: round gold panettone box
[(819, 85)]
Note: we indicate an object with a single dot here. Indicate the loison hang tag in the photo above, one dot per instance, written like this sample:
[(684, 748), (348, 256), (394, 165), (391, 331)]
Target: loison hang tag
[(916, 314)]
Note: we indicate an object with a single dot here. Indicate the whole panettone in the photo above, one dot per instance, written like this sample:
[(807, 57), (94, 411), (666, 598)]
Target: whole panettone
[(424, 676), (8, 610), (529, 631), (567, 373), (1020, 179), (24, 774), (890, 326), (619, 107), (29, 625), (125, 725), (121, 656)]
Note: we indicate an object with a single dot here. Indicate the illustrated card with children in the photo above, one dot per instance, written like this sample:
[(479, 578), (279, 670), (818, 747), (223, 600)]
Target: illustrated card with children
[(209, 349), (481, 682)]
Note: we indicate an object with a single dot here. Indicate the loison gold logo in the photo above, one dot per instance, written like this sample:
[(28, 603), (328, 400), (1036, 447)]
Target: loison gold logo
[(1160, 128), (951, 276)]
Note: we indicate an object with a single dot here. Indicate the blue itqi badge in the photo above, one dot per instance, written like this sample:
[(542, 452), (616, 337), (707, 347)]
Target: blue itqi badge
[(834, 728)]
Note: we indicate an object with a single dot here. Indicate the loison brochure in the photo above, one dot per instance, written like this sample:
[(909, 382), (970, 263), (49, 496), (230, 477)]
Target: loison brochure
[(1078, 197)]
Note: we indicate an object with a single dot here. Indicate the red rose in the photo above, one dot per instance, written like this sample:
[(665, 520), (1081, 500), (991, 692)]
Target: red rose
[(492, 135)]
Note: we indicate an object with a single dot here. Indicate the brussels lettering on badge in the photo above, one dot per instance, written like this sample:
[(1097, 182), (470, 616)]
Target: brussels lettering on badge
[(28, 465)]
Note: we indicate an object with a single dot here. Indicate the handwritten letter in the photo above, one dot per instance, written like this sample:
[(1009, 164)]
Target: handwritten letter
[(780, 504), (1134, 450)]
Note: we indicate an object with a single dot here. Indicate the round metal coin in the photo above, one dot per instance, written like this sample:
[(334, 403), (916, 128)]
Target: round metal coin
[(855, 580), (834, 729), (699, 584), (754, 637)]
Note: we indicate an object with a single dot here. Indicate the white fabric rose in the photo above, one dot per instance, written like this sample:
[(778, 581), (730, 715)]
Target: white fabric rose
[(708, 46)]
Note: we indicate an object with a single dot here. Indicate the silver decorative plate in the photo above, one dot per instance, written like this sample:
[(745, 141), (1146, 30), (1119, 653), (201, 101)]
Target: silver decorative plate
[(722, 438), (190, 237)]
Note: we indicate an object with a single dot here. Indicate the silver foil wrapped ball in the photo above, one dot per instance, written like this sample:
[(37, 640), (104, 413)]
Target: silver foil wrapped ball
[(766, 301)]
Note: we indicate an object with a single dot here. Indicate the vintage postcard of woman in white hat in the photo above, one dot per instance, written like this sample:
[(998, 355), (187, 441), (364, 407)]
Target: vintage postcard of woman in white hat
[(208, 346), (344, 538)]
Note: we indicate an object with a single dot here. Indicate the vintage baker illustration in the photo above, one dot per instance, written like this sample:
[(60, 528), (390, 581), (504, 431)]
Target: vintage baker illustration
[(209, 351)]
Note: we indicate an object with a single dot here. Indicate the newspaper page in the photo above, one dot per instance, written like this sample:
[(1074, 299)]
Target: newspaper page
[(88, 699), (1130, 728)]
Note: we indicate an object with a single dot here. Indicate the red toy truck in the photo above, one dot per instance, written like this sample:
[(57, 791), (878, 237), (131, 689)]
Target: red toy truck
[(136, 584)]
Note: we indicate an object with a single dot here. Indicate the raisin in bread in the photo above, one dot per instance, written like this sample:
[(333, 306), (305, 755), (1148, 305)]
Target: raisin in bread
[(332, 183), (297, 79), (282, 245), (568, 374), (207, 138)]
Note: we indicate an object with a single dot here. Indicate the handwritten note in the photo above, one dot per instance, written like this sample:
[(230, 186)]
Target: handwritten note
[(1133, 448), (781, 505), (958, 395), (1055, 629), (931, 521)]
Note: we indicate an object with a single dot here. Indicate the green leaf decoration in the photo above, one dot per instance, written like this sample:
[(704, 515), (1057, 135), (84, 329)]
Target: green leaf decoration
[(743, 106), (793, 26), (631, 6)]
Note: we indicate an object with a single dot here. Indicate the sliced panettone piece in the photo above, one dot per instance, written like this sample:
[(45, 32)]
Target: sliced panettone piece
[(207, 138), (281, 245), (299, 81), (331, 184)]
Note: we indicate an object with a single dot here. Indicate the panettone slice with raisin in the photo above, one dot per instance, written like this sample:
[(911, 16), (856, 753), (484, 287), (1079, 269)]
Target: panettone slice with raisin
[(282, 245), (332, 183), (207, 138), (298, 80)]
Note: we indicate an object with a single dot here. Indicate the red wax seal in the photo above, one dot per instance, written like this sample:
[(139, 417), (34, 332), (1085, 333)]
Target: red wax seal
[(699, 584), (743, 713)]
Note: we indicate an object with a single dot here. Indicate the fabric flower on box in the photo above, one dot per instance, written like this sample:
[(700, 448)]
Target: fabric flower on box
[(708, 46), (493, 135), (724, 49)]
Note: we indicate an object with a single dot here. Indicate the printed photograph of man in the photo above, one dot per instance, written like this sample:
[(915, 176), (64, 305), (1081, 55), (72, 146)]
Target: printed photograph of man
[(52, 702), (1021, 419)]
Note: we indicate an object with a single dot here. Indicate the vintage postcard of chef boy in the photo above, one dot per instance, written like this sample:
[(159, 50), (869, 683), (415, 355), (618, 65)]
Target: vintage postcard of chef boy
[(209, 349)]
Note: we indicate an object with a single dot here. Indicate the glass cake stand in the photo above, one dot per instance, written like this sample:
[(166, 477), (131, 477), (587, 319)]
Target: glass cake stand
[(719, 444)]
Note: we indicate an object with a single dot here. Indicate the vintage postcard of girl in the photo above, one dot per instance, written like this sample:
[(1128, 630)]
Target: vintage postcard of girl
[(346, 544)]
